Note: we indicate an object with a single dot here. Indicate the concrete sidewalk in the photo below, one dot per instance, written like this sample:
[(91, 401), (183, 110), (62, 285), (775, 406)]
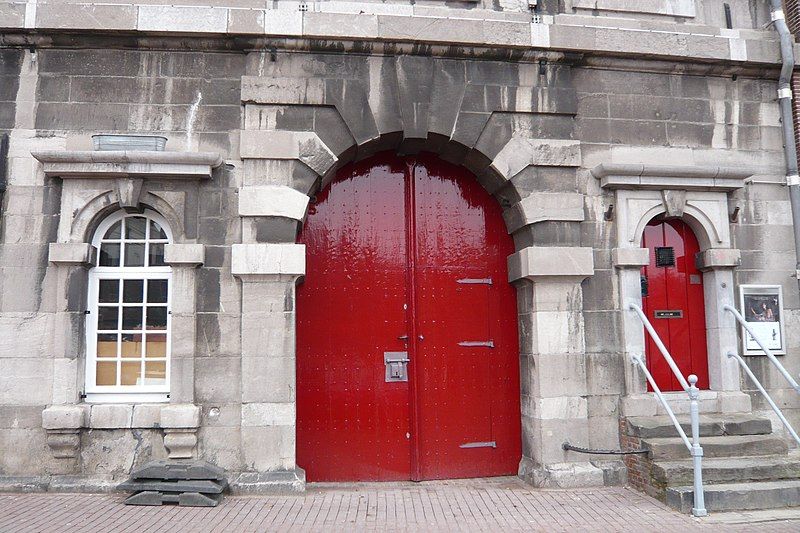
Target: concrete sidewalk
[(500, 504)]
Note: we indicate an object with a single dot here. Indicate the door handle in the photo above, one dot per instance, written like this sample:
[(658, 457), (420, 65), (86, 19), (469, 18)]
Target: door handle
[(403, 337)]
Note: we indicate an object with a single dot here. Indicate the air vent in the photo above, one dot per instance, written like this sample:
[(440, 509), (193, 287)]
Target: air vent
[(665, 256)]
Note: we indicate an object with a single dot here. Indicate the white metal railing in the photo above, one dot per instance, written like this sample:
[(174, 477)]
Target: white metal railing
[(740, 319), (766, 396), (771, 356), (695, 450)]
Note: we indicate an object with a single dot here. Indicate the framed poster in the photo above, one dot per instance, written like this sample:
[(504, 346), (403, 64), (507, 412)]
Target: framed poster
[(762, 309)]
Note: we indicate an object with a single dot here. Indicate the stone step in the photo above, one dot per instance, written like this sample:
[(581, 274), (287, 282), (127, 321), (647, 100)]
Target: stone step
[(710, 425), (728, 470), (672, 448), (738, 496)]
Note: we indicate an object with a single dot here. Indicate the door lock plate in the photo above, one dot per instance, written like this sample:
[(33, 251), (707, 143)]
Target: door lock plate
[(396, 366)]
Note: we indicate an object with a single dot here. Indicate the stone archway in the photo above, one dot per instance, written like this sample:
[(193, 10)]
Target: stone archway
[(486, 117), (705, 210)]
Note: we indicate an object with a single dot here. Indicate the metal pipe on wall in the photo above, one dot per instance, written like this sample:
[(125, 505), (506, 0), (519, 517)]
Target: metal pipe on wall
[(785, 104)]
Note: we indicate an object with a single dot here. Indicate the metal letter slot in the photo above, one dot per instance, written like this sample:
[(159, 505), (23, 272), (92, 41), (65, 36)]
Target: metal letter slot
[(396, 366), (669, 313)]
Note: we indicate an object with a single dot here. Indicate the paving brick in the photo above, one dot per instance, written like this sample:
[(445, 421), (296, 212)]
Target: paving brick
[(500, 504)]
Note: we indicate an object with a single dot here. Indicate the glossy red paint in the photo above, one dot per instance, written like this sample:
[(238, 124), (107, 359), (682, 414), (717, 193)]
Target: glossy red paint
[(675, 288), (387, 243)]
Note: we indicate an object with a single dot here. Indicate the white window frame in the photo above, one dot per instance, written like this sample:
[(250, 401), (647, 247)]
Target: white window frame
[(124, 393)]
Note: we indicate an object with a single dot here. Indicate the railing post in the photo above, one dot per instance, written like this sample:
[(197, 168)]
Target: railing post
[(699, 508)]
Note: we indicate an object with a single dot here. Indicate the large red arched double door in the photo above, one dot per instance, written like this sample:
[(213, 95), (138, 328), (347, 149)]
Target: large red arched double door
[(406, 259), (672, 293)]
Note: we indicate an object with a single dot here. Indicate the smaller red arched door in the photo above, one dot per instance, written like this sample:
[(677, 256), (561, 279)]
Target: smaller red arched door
[(672, 293)]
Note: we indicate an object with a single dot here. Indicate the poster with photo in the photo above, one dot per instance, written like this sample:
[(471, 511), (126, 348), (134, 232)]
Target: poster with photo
[(762, 308)]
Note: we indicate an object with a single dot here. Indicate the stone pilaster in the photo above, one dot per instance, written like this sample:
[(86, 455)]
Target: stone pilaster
[(553, 378), (184, 260), (72, 260), (269, 272)]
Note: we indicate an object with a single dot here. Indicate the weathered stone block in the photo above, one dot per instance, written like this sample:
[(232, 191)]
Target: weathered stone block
[(193, 19), (110, 416), (184, 254), (268, 414), (275, 201), (630, 257), (64, 417), (548, 262), (180, 416), (79, 253), (268, 258), (146, 416)]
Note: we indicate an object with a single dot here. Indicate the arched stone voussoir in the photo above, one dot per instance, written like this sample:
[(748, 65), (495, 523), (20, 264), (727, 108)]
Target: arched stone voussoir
[(522, 152), (304, 146)]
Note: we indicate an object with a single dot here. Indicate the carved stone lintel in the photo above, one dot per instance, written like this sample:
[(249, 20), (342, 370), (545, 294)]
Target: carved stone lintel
[(64, 443), (674, 203), (128, 192), (180, 443)]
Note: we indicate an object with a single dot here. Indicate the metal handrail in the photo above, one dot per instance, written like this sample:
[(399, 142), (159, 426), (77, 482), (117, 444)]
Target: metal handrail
[(740, 319), (766, 396), (695, 450), (663, 349)]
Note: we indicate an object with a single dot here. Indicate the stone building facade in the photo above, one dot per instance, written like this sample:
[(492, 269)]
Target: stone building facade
[(584, 121)]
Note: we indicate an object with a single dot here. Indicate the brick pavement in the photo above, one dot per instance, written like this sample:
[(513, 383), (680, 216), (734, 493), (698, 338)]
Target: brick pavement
[(501, 504)]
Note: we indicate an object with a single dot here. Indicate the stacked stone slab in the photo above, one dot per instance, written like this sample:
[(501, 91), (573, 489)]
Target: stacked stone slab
[(191, 484), (745, 465)]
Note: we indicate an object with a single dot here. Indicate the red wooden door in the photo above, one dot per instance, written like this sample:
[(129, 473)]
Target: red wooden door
[(672, 293), (406, 247)]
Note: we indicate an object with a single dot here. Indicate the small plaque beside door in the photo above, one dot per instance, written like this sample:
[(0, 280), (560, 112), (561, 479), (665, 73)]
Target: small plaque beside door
[(669, 313)]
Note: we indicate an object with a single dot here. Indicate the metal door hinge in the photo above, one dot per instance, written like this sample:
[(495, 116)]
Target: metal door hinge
[(489, 444), (487, 344), (475, 281)]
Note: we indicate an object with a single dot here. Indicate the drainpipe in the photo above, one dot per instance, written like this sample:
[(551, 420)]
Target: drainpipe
[(785, 103)]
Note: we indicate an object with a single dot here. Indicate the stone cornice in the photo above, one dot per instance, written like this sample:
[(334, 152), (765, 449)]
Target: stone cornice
[(682, 177), (399, 24), (131, 164)]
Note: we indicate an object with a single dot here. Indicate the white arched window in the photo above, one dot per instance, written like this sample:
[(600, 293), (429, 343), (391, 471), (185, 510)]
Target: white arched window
[(128, 323)]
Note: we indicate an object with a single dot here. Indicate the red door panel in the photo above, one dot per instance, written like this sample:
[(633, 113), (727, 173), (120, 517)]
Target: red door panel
[(465, 349), (675, 287), (406, 246), (351, 310)]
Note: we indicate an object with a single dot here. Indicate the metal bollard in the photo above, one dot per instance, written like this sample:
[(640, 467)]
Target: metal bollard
[(699, 508)]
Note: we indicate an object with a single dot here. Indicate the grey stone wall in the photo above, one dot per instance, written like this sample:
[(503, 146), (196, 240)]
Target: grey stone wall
[(344, 106)]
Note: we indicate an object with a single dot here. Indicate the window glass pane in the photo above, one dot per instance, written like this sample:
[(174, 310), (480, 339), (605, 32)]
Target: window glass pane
[(134, 255), (157, 291), (156, 345), (107, 317), (109, 291), (135, 227), (107, 345), (156, 318), (156, 255), (131, 318), (114, 232), (155, 373), (131, 372), (133, 291), (131, 345), (106, 373), (109, 255), (156, 232)]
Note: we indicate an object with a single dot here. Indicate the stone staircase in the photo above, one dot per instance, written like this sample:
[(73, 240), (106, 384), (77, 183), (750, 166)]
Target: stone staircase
[(745, 465)]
